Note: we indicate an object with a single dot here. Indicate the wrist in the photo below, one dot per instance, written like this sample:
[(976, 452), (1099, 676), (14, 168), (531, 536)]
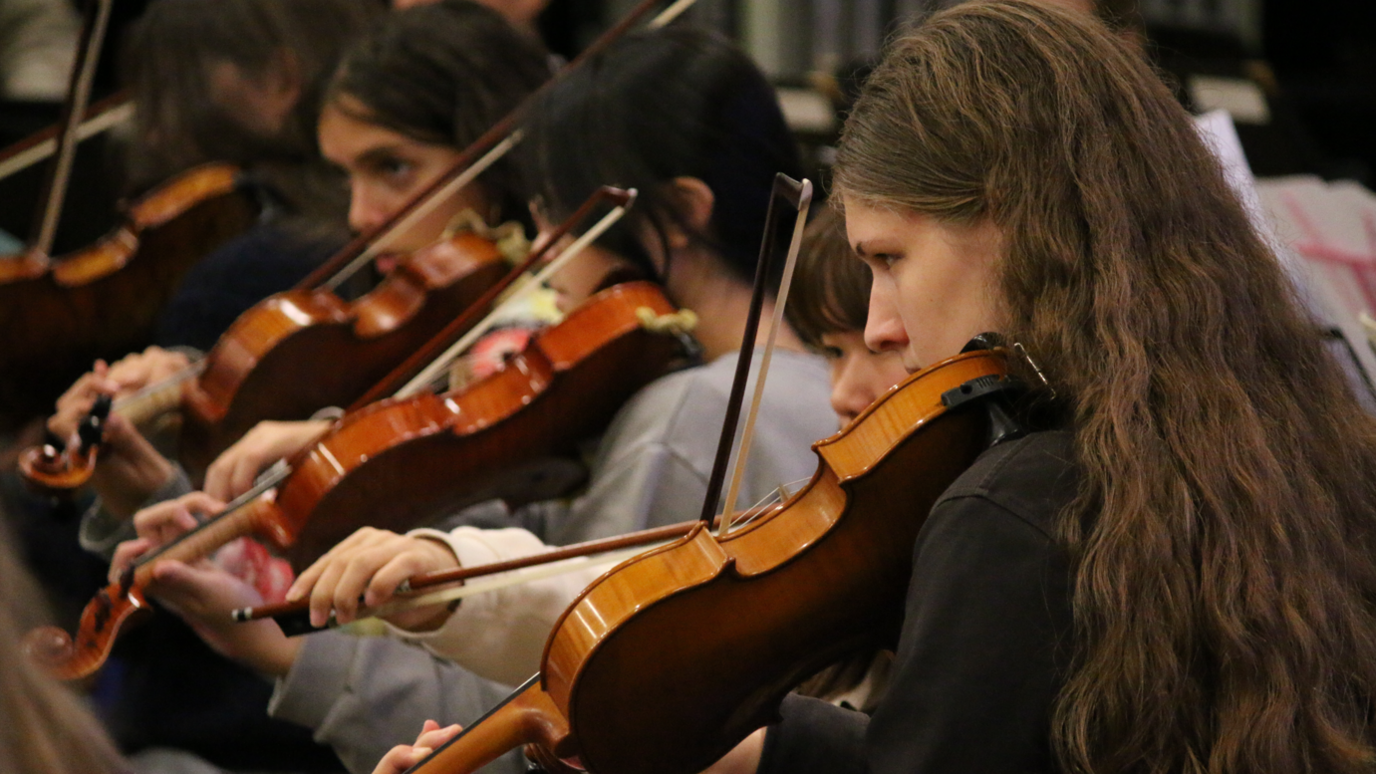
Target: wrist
[(123, 494), (278, 655)]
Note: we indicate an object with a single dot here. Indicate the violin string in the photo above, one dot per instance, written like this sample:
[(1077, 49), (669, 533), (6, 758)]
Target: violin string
[(437, 368), (265, 481), (775, 497), (181, 375), (781, 300)]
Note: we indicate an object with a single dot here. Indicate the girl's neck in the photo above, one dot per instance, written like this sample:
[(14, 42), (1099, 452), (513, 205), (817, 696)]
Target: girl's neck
[(722, 303)]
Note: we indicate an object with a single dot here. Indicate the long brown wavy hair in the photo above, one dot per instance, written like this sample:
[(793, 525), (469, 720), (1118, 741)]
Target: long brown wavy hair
[(1222, 538)]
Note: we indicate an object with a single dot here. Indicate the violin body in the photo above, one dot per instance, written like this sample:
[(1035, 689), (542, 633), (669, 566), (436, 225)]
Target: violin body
[(711, 634), (303, 350), (60, 314), (400, 463)]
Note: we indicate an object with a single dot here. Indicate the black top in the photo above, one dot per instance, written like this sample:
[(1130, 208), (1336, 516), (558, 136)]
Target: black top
[(264, 260), (985, 639)]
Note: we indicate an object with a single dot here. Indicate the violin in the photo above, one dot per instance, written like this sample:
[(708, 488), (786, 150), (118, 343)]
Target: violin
[(403, 461), (727, 625), (303, 349), (59, 314)]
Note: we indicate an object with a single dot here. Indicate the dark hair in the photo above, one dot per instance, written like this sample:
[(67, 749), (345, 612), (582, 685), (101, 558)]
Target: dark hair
[(1224, 585), (443, 74), (677, 102), (168, 57), (831, 289)]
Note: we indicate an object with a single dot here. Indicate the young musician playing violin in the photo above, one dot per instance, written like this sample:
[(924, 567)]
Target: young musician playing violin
[(1173, 571), (686, 119)]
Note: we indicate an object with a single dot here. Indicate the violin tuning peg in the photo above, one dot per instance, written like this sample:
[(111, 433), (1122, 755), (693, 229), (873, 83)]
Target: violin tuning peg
[(52, 441)]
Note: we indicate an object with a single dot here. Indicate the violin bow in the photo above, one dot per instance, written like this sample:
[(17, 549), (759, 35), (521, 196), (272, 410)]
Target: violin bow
[(799, 196), (485, 151), (426, 363), (111, 111), (292, 616), (97, 20)]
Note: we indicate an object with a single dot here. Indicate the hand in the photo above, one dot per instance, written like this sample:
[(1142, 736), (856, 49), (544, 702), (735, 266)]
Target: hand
[(202, 594), (129, 469), (371, 563), (127, 376), (233, 472), (404, 756), (160, 524)]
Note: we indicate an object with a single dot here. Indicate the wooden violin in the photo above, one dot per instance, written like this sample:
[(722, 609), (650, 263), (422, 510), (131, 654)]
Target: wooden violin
[(713, 631), (400, 462), (58, 314), (299, 351)]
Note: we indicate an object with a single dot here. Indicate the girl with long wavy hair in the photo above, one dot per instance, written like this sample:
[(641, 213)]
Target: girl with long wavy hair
[(1173, 571)]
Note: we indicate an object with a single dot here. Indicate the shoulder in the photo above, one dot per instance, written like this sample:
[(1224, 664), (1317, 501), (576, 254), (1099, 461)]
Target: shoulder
[(700, 394), (680, 414), (265, 258), (1030, 478)]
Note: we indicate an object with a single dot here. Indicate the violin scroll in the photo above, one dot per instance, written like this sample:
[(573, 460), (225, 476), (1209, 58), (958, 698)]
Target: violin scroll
[(49, 647), (68, 658), (54, 470)]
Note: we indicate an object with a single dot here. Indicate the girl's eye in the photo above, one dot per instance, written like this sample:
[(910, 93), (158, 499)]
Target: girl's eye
[(831, 353), (394, 167)]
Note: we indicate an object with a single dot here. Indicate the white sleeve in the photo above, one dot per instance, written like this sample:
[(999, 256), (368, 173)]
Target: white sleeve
[(500, 635)]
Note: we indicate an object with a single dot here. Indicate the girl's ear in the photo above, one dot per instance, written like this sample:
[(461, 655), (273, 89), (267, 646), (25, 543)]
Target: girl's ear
[(695, 201)]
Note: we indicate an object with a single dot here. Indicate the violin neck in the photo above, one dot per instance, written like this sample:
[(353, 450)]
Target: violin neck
[(156, 399), (78, 97), (527, 716), (203, 541)]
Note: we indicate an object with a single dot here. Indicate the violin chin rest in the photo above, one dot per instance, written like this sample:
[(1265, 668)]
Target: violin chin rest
[(49, 647)]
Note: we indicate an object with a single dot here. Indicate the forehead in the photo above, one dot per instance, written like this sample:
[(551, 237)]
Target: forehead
[(871, 229), (344, 136)]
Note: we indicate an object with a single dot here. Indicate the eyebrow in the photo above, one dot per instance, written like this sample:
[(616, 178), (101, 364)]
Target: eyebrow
[(378, 154)]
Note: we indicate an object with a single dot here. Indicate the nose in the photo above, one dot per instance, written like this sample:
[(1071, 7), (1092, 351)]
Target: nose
[(365, 211), (884, 330), (849, 393)]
